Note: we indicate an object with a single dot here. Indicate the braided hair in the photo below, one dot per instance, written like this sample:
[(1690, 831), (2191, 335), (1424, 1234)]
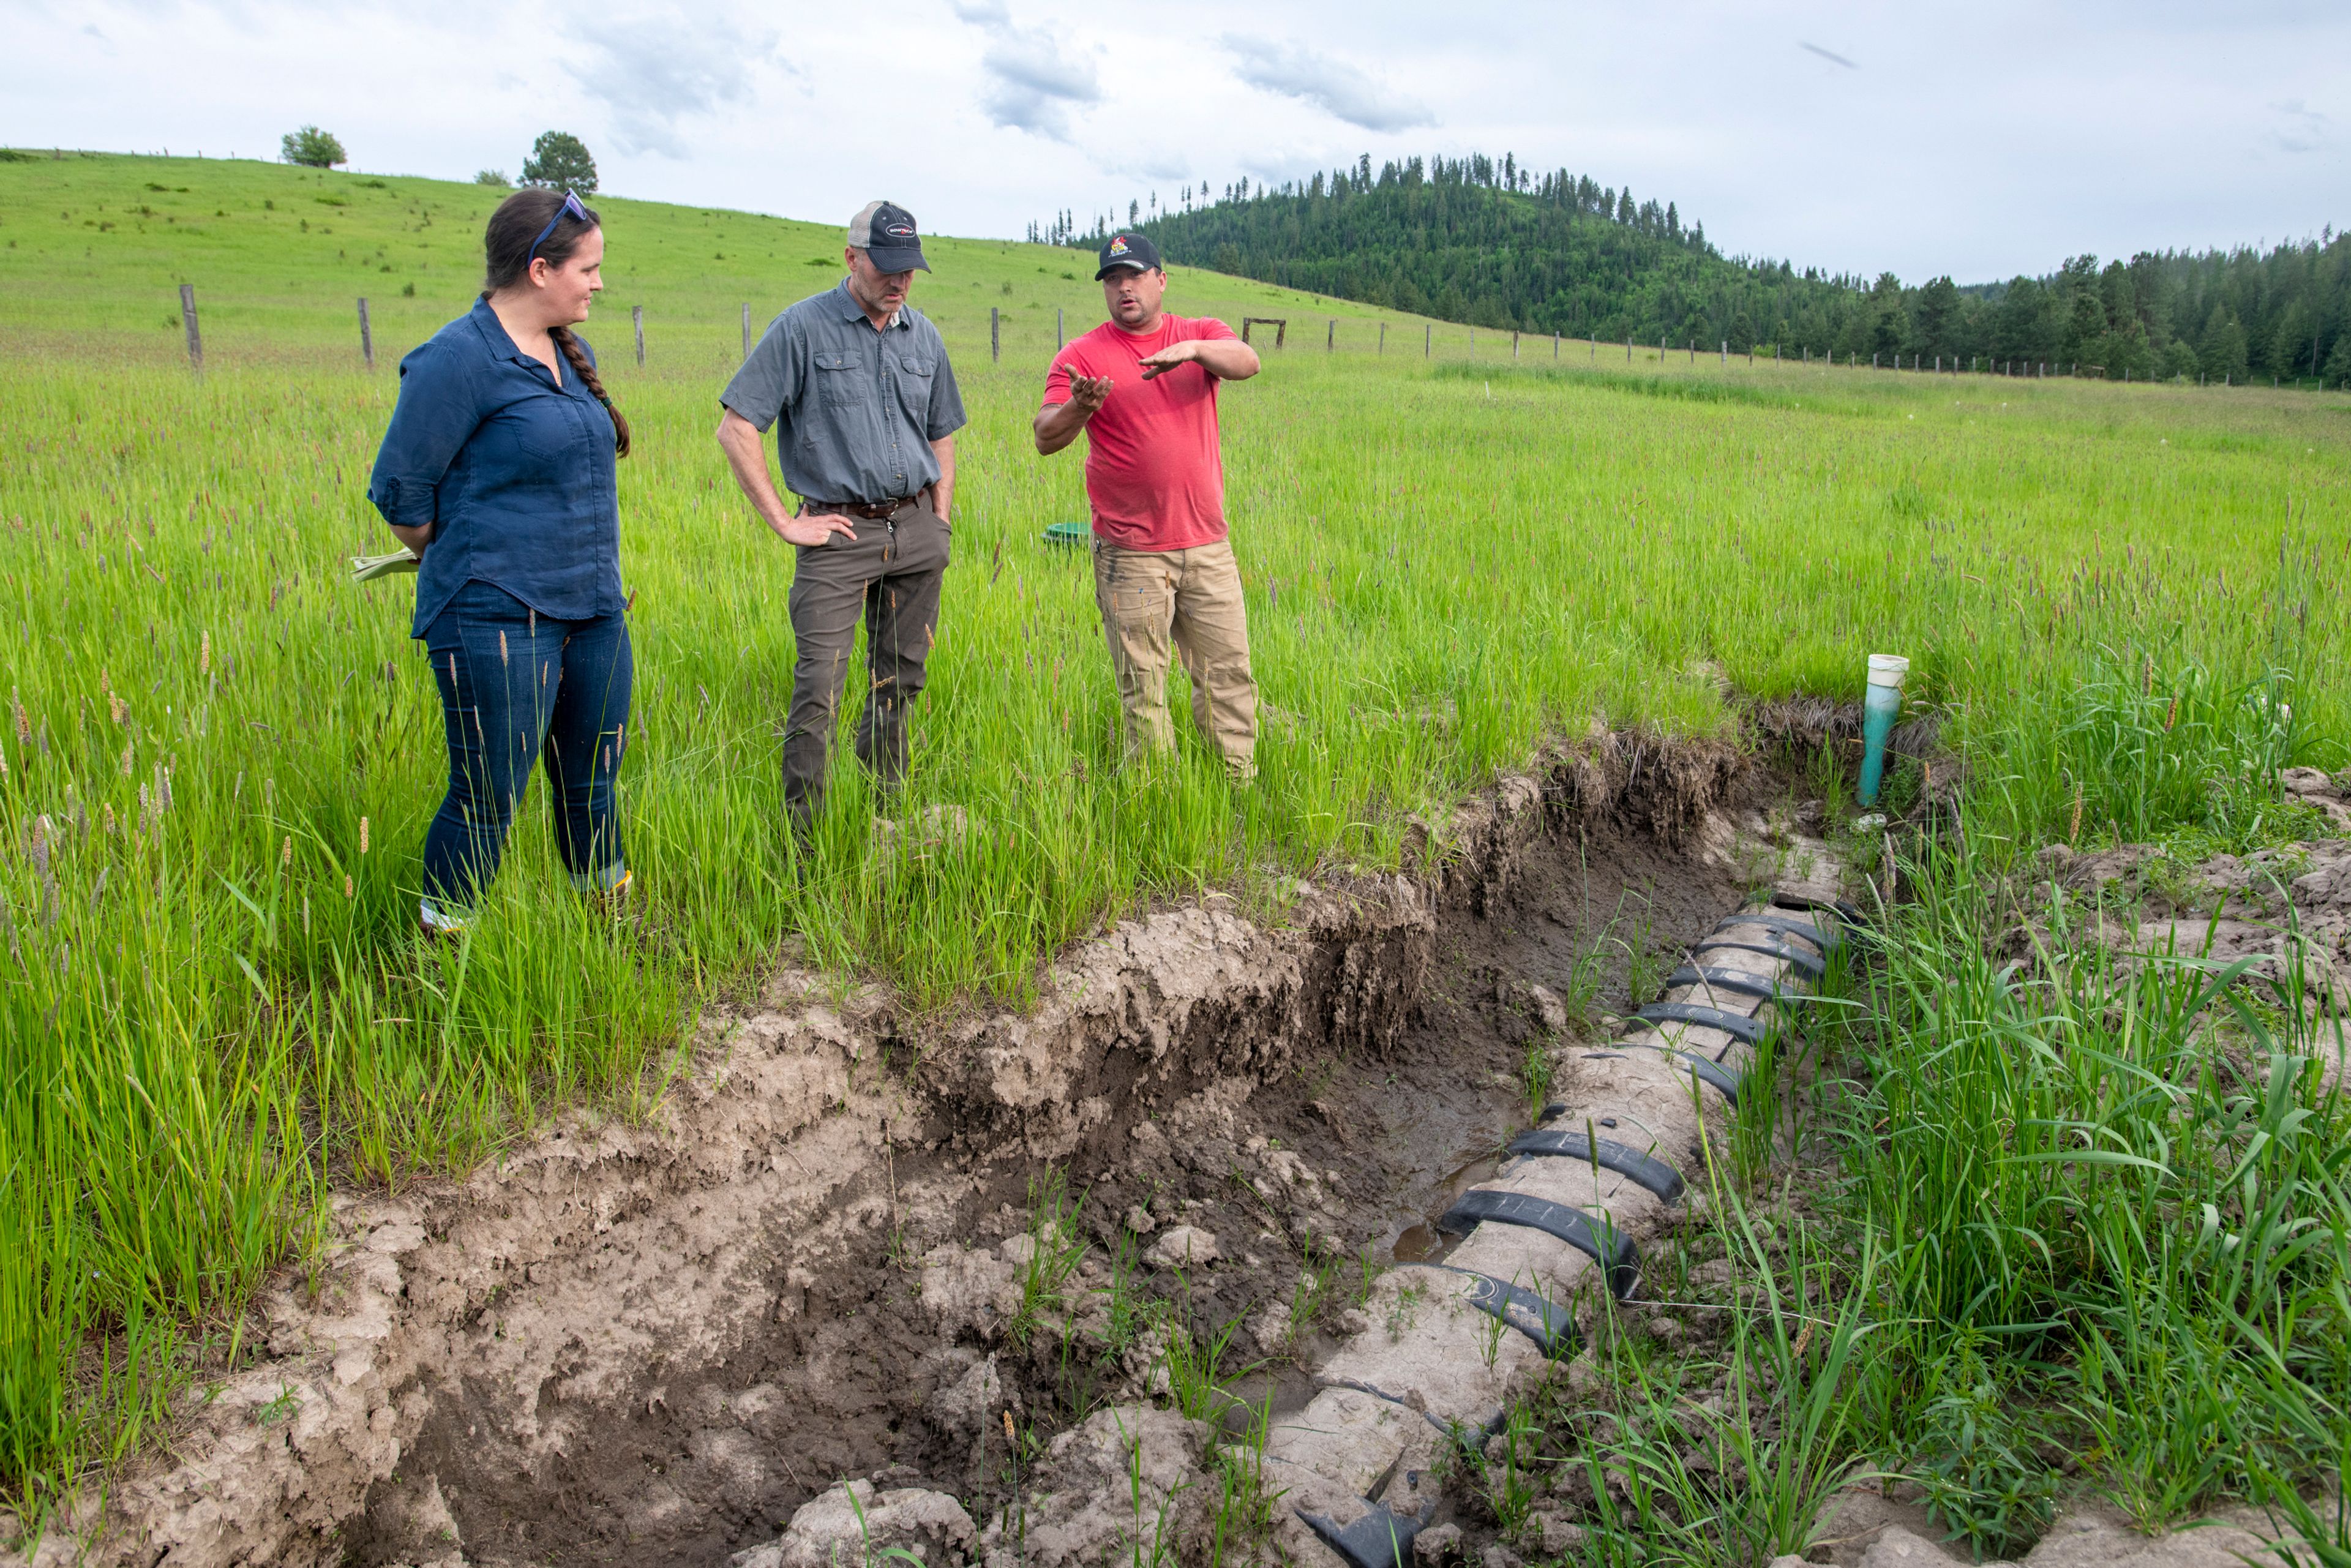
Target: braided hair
[(508, 255)]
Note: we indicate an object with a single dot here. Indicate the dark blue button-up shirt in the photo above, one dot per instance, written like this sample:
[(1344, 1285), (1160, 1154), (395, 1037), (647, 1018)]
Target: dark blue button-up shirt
[(855, 410), (513, 472)]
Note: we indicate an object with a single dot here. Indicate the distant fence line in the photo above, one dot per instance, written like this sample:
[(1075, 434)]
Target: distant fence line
[(1977, 364)]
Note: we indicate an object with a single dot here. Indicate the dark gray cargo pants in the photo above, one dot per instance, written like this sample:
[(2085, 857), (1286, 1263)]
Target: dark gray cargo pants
[(891, 572)]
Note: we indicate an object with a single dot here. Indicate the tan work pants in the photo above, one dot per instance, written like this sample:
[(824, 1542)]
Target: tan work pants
[(1194, 596)]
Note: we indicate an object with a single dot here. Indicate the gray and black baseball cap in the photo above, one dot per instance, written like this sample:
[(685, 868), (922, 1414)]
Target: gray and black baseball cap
[(884, 231), (1128, 250)]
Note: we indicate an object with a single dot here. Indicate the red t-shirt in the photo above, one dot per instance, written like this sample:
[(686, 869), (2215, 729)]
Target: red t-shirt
[(1152, 469)]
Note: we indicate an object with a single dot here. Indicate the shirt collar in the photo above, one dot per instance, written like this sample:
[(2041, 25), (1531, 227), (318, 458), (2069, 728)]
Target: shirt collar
[(494, 333), (853, 311), (501, 345)]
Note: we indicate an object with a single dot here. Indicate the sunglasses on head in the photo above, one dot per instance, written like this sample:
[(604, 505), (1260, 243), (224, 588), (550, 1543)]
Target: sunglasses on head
[(572, 206)]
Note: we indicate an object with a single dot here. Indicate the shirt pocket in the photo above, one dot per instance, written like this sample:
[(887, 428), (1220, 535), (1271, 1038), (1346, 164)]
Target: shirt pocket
[(547, 430), (841, 377), (916, 376)]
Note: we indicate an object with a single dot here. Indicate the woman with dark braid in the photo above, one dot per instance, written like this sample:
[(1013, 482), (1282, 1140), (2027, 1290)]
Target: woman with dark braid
[(497, 471)]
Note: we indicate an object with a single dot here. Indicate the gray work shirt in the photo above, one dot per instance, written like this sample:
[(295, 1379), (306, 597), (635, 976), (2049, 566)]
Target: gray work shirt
[(855, 410)]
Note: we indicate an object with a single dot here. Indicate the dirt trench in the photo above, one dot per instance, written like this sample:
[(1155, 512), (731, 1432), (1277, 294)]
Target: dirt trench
[(653, 1342)]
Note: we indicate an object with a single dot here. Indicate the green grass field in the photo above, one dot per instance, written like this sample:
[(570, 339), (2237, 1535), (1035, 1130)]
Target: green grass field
[(220, 758)]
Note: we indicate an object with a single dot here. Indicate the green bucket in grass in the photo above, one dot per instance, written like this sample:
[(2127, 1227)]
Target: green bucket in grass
[(1070, 533)]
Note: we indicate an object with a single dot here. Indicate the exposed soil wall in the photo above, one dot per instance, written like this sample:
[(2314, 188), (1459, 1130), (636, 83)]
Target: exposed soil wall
[(650, 1343)]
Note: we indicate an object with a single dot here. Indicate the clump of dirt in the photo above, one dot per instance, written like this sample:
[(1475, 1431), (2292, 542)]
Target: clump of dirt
[(655, 1343), (2286, 909)]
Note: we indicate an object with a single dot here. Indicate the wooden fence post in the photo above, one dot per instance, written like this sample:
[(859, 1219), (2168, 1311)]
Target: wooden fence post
[(637, 315), (188, 319), (367, 339), (1726, 352), (995, 336), (1384, 336), (1427, 338), (747, 328), (1554, 347), (1331, 337), (1059, 338), (1514, 345)]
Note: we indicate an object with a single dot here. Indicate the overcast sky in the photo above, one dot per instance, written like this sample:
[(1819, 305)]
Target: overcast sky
[(1980, 140)]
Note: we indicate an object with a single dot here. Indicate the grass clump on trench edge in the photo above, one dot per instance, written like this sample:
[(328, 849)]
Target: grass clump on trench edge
[(2061, 1225), (219, 758)]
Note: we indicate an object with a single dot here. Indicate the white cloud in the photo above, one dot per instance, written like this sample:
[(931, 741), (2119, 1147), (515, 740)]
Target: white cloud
[(2298, 127), (1032, 82), (652, 71), (1333, 86)]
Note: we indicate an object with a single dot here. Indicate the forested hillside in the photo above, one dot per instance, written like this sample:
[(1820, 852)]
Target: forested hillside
[(1495, 245)]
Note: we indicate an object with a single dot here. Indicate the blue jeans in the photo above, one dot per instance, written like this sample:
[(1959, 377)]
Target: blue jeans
[(515, 684)]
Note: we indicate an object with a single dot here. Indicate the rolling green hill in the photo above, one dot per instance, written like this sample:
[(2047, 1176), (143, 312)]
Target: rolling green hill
[(93, 248)]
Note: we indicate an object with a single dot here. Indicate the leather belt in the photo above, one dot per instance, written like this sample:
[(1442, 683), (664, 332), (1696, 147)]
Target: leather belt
[(878, 511)]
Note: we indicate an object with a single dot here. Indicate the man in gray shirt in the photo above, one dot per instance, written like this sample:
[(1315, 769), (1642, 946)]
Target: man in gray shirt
[(865, 407)]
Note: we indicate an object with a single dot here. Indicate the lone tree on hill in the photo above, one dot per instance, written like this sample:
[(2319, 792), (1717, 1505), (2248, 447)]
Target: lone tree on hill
[(559, 160), (312, 148)]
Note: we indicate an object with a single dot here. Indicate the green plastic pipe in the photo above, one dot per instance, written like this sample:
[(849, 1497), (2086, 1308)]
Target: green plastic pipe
[(1881, 705)]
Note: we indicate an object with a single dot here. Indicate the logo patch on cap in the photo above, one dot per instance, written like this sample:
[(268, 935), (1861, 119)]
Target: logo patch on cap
[(1118, 245)]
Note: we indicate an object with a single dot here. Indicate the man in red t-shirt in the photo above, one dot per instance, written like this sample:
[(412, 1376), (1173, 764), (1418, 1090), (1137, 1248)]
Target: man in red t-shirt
[(1142, 387)]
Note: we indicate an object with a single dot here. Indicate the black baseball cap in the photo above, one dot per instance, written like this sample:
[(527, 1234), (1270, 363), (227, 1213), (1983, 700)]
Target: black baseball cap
[(1129, 250), (884, 231)]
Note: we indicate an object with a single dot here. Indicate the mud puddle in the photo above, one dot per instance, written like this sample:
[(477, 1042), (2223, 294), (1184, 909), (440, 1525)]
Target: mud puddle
[(1419, 1240)]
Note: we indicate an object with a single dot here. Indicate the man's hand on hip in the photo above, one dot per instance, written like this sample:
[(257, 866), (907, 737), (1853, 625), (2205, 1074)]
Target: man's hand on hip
[(814, 529)]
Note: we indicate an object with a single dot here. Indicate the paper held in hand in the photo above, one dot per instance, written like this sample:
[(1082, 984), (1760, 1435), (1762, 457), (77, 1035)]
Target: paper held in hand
[(368, 568)]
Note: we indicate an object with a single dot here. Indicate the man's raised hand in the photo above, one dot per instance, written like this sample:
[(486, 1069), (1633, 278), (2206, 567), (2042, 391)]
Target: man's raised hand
[(1089, 392), (1167, 359)]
